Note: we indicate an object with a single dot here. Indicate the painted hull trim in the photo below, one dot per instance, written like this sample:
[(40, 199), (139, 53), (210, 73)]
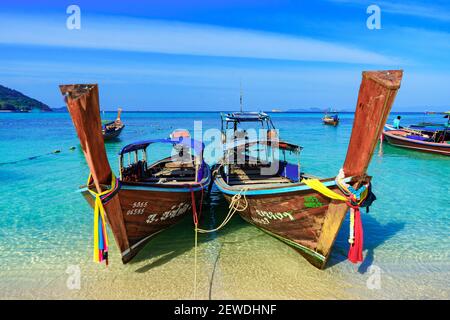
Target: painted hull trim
[(221, 185)]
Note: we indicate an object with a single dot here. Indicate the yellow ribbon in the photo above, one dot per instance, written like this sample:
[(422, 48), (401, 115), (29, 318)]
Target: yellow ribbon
[(320, 187), (100, 210)]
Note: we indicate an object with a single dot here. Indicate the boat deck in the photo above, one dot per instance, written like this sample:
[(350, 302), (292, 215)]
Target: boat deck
[(252, 176), (164, 172)]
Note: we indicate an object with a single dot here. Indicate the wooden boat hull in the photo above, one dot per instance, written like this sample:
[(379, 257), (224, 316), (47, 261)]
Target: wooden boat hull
[(423, 146), (135, 211), (297, 215), (330, 122), (146, 211)]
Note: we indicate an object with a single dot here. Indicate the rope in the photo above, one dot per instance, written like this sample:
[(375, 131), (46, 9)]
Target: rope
[(56, 151), (101, 242), (233, 207), (195, 218)]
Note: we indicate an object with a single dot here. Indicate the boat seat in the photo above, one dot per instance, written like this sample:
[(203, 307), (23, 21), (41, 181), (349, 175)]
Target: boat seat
[(179, 164), (173, 172), (273, 180), (168, 179)]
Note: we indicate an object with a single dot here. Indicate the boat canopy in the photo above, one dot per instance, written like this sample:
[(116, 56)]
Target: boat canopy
[(245, 117), (289, 146), (195, 145), (281, 145)]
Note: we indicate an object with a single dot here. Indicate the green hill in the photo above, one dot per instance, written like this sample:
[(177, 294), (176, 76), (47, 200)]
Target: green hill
[(16, 101)]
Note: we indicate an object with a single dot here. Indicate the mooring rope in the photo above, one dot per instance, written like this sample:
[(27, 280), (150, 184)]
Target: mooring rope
[(31, 158), (233, 207)]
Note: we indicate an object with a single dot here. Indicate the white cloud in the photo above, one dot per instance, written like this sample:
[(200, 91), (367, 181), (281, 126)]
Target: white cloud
[(126, 34)]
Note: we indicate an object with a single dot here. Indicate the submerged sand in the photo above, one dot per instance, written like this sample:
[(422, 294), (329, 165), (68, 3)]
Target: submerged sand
[(241, 262)]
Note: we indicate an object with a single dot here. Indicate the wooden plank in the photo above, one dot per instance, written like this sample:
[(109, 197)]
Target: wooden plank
[(331, 225), (256, 182)]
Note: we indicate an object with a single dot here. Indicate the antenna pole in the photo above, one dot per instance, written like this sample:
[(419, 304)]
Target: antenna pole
[(241, 95)]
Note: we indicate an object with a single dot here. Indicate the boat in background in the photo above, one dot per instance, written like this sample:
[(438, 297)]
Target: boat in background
[(147, 198), (112, 129), (331, 118), (419, 142), (284, 201), (429, 138)]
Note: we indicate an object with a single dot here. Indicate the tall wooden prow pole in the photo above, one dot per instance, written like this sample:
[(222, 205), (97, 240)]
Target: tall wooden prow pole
[(375, 99), (83, 104), (119, 111), (241, 97)]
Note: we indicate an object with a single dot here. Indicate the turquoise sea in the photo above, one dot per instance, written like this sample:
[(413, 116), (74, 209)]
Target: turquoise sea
[(46, 226)]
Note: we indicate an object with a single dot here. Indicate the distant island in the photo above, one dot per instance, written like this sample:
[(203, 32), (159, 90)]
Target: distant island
[(306, 110), (61, 109), (15, 101), (315, 110)]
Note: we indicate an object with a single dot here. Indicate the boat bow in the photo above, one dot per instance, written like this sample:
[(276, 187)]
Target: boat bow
[(83, 104)]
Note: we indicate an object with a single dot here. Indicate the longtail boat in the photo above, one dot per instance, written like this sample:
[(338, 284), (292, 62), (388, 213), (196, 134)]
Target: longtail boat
[(293, 206), (331, 118), (147, 198), (112, 129), (424, 137), (430, 140)]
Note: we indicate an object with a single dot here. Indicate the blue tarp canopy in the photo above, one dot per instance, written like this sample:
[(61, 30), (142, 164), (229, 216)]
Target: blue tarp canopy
[(281, 145), (195, 145), (245, 116)]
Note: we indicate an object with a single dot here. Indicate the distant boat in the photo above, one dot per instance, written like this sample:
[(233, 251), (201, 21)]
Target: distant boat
[(427, 139), (331, 118), (112, 129)]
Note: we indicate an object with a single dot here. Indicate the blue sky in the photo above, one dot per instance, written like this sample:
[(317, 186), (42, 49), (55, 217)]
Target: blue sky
[(192, 54)]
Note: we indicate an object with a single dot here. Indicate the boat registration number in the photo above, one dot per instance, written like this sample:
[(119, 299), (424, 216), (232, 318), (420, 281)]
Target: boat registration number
[(275, 215), (137, 208), (175, 211)]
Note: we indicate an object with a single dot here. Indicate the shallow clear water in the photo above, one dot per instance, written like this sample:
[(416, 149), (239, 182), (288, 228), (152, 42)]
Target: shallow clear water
[(45, 225)]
